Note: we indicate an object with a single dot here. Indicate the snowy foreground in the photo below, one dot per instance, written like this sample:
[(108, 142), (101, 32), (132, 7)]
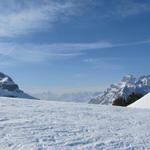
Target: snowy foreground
[(44, 125)]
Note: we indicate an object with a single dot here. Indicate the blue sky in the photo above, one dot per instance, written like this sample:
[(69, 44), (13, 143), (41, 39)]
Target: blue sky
[(73, 45)]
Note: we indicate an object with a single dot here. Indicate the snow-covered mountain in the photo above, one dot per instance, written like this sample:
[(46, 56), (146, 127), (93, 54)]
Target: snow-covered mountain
[(82, 97), (128, 85), (8, 88)]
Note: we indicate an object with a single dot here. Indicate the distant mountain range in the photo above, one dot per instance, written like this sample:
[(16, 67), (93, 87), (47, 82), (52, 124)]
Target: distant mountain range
[(128, 85), (82, 97), (8, 88)]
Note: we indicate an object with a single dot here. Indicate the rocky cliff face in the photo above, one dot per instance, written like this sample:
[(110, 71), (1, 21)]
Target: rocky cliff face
[(8, 88)]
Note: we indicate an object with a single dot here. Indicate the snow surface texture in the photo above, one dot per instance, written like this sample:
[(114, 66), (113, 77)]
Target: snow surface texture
[(124, 88), (9, 88), (45, 125), (144, 102)]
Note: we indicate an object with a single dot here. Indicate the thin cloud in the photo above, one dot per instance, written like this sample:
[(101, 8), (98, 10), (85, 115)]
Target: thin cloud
[(38, 53), (23, 17), (103, 63), (121, 9), (44, 52), (132, 8)]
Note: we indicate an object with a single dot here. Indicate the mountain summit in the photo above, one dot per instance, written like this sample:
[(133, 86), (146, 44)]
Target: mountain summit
[(8, 88), (128, 85)]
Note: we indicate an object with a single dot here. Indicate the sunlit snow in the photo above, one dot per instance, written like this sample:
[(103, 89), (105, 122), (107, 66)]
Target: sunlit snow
[(45, 125)]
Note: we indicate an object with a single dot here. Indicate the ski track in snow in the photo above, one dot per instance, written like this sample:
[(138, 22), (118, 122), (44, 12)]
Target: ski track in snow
[(45, 125)]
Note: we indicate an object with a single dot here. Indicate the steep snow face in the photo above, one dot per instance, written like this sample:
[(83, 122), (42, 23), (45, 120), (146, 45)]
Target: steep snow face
[(144, 102), (9, 88), (124, 88), (45, 125)]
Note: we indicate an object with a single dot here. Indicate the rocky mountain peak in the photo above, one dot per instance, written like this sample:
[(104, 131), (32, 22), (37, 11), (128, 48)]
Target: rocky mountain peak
[(129, 79), (128, 85), (8, 88)]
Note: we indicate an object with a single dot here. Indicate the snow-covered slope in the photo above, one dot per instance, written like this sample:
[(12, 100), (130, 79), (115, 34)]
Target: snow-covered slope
[(8, 88), (128, 85), (45, 125), (82, 97), (144, 102)]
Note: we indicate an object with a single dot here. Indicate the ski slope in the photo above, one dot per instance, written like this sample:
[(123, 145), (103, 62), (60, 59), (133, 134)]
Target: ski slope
[(46, 125), (144, 102)]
